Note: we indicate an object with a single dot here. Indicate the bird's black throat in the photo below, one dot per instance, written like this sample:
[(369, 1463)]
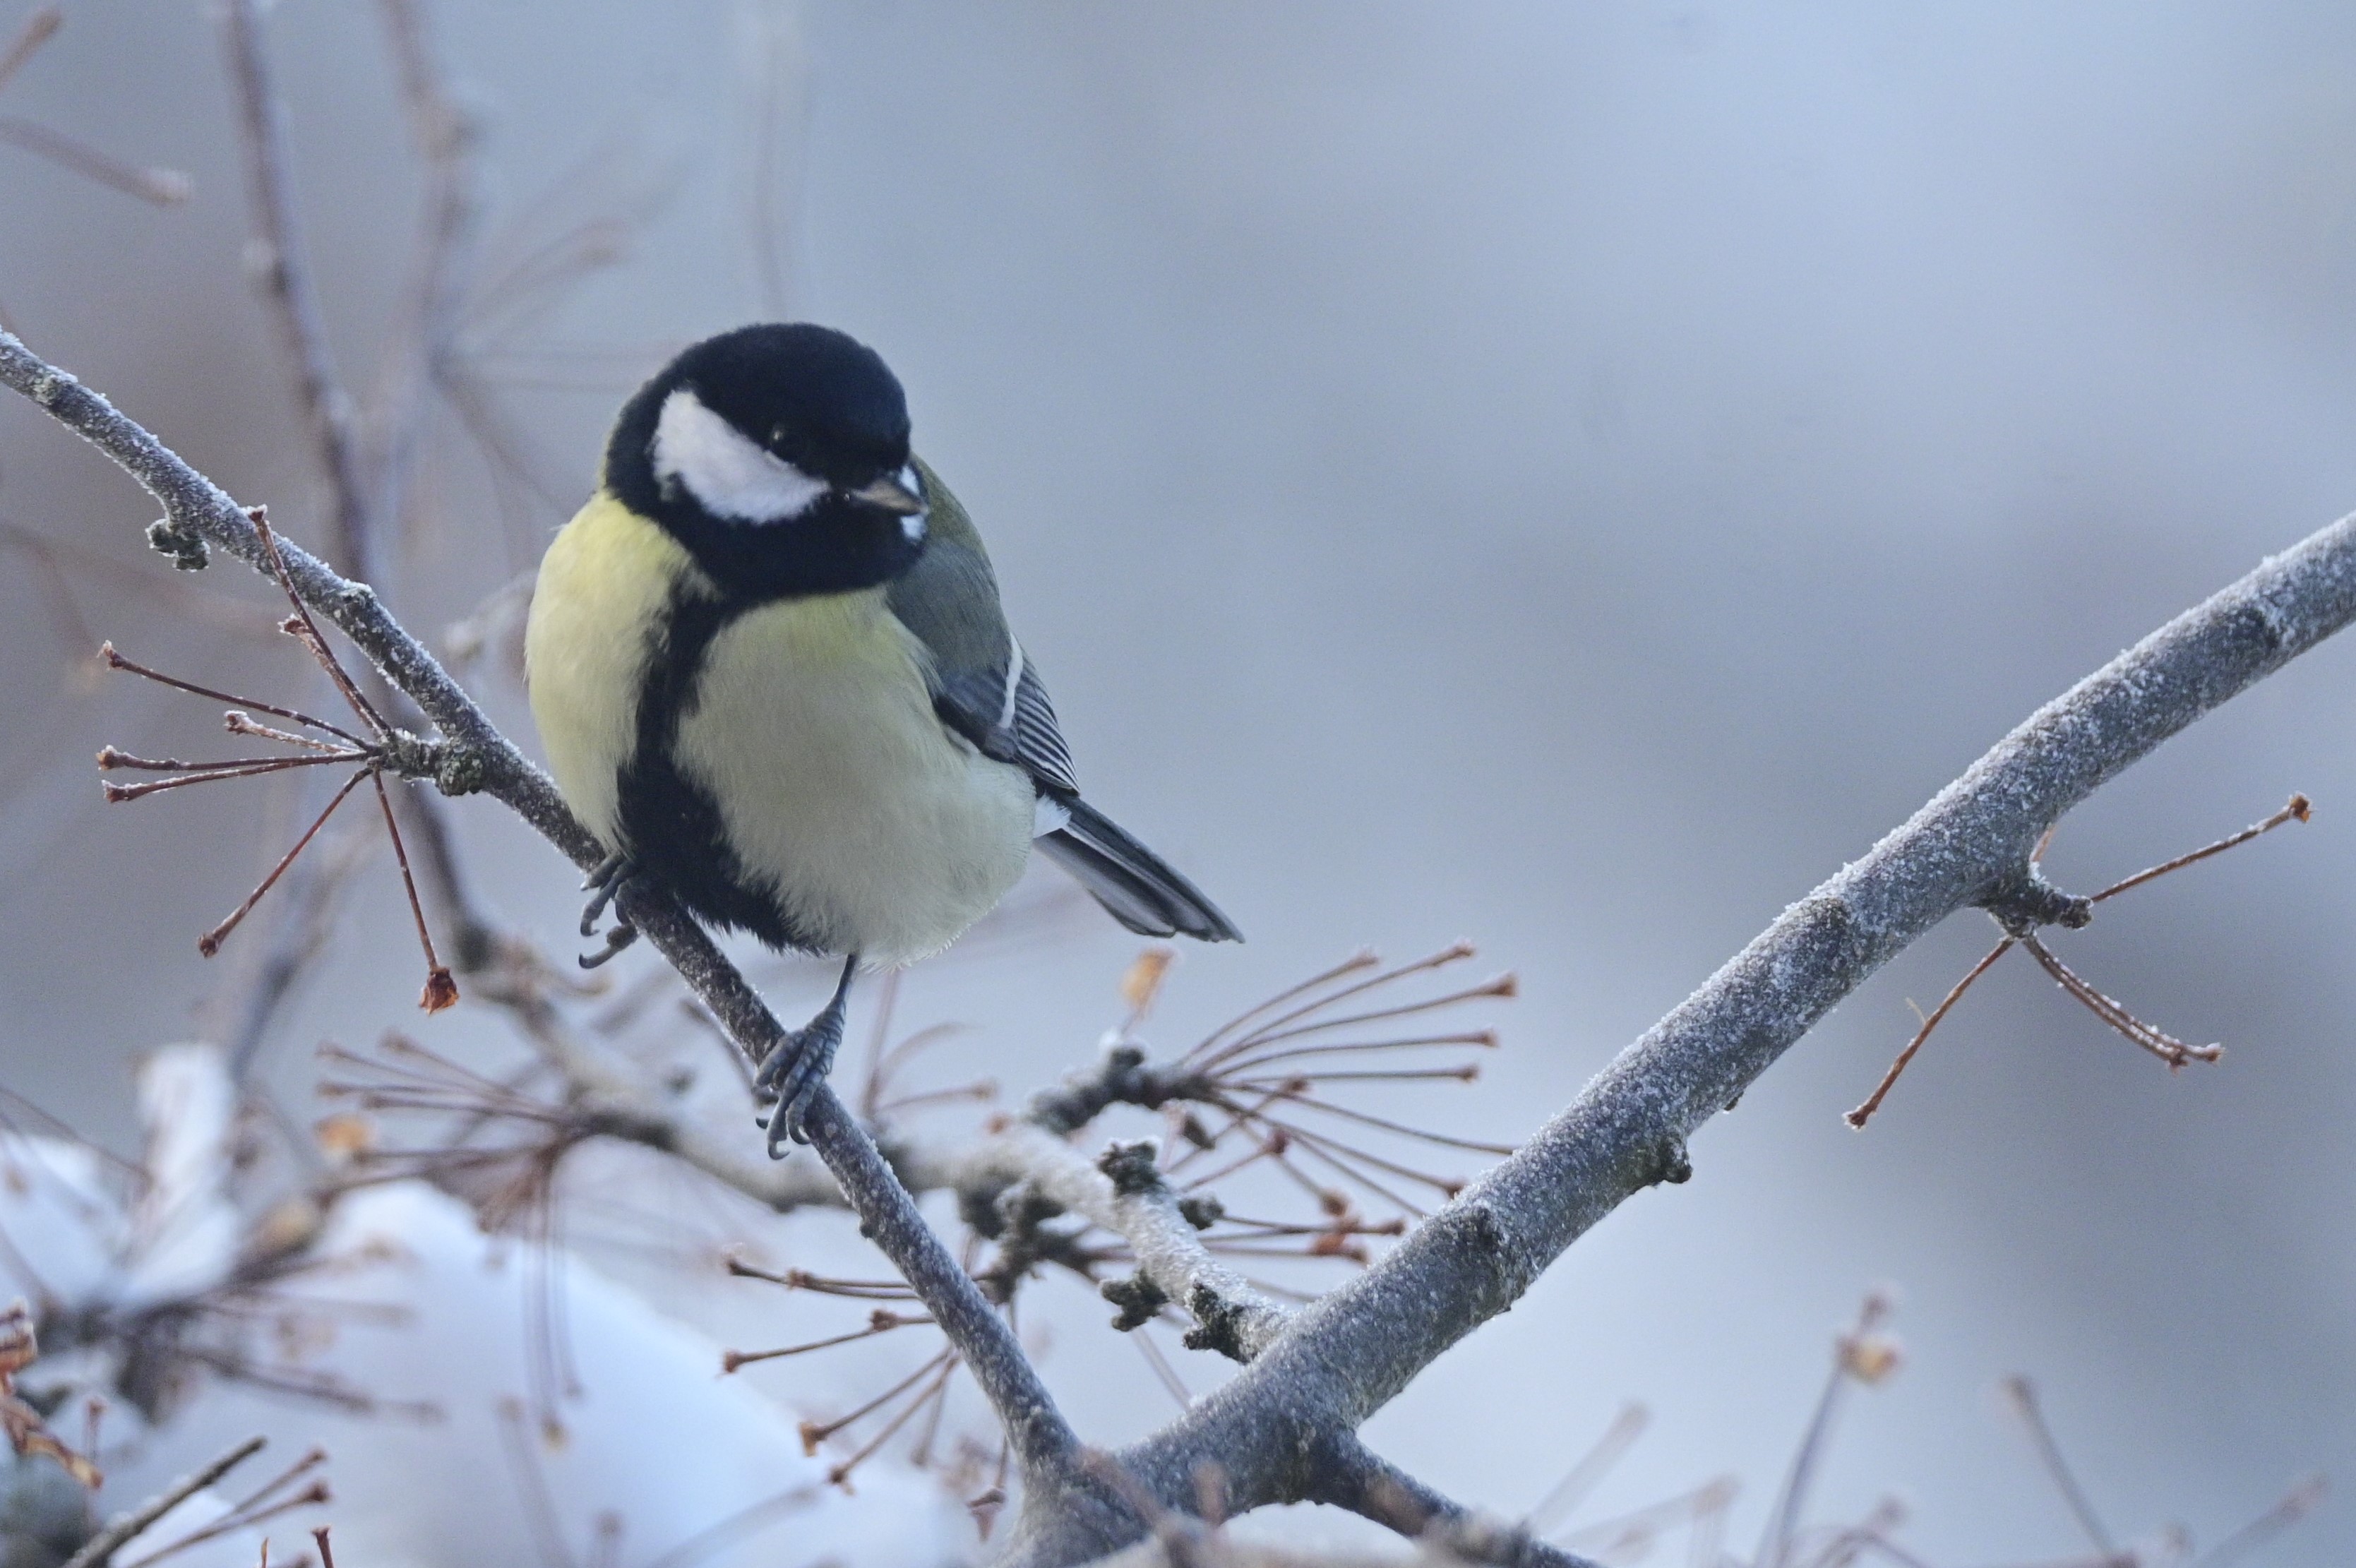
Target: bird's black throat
[(670, 823), (839, 545)]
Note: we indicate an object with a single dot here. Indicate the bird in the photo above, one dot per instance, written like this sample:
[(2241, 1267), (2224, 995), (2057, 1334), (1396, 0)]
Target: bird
[(772, 676)]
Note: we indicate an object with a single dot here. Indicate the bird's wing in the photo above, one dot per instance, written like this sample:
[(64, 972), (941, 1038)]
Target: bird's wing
[(986, 689), (982, 685), (1006, 714), (1137, 887)]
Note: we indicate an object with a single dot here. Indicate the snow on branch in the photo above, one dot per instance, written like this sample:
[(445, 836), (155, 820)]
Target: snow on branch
[(1284, 1428), (473, 755)]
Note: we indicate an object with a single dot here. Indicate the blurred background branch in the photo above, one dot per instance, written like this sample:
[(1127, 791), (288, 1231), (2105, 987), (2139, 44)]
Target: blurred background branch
[(1281, 1153), (1970, 845)]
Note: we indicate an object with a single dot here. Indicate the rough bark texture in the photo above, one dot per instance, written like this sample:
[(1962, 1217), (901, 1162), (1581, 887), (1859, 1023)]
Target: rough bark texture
[(473, 756), (1283, 1429), (1353, 1350)]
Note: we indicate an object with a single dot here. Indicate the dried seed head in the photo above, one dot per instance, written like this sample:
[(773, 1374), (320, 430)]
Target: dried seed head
[(1870, 1359), (1142, 981), (343, 1134)]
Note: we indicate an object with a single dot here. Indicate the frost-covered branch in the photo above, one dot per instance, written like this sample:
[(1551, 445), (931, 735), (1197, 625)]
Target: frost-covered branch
[(1283, 1429), (1121, 1190), (1345, 1356), (472, 755)]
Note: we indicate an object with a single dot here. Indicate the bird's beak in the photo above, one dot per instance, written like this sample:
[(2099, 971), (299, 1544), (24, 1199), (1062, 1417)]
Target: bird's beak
[(891, 495)]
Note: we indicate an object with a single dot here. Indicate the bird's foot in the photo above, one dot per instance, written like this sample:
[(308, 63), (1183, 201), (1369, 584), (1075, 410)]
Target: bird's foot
[(791, 1074), (605, 885)]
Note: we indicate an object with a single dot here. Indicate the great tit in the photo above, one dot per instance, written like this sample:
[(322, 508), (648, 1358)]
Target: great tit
[(772, 675)]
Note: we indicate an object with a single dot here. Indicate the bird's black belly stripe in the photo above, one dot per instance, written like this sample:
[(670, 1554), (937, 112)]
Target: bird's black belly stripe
[(670, 823)]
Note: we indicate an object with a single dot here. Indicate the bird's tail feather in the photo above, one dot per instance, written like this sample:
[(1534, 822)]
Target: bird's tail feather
[(1133, 883)]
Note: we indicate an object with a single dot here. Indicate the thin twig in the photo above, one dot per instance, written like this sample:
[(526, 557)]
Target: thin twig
[(1783, 1517), (2164, 1046), (210, 943), (238, 724), (814, 1432), (110, 758), (1592, 1467), (163, 187), (1484, 1038), (2302, 1499), (1302, 1082), (39, 29), (1363, 959), (1163, 1373), (720, 1535), (2299, 809), (309, 633), (1863, 1113), (115, 660), (840, 1474), (236, 1520), (1286, 1091), (2174, 1053), (2023, 1396), (882, 1323), (425, 345), (285, 275), (117, 793), (441, 990), (100, 1549), (1627, 1533)]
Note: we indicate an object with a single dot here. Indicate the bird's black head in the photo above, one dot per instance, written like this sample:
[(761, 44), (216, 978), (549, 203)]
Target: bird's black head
[(778, 456)]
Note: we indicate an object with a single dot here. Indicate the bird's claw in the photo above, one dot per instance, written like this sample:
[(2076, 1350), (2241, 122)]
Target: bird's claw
[(618, 937), (606, 886), (791, 1075)]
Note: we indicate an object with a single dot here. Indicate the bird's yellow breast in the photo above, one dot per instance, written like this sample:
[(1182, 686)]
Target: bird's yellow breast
[(814, 730), (810, 727), (603, 587)]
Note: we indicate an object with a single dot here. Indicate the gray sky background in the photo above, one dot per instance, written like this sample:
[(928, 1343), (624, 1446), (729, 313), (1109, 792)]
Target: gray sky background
[(1565, 475)]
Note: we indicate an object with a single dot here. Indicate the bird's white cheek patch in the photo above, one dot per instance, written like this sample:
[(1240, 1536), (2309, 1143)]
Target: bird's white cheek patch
[(731, 475)]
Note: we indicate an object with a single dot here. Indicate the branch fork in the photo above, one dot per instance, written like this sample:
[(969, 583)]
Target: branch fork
[(378, 750), (2023, 901), (1331, 1366)]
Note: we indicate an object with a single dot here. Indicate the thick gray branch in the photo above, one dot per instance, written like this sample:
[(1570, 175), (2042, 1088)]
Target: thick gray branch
[(1352, 1477), (1341, 1473), (1350, 1353), (479, 757), (1343, 1358)]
